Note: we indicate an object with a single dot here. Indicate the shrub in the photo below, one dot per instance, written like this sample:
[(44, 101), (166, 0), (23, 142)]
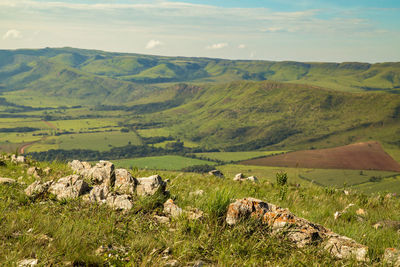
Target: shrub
[(281, 178), (199, 168)]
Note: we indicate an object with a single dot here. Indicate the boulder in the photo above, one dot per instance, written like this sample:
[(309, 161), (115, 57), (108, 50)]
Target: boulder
[(124, 182), (171, 209), (34, 171), (28, 262), (148, 186), (18, 159), (216, 173), (98, 194), (392, 257), (68, 187), (252, 179), (120, 202), (103, 172), (298, 230), (6, 180), (238, 177), (80, 167), (343, 247), (38, 188)]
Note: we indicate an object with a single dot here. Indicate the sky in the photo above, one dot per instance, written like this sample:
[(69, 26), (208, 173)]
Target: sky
[(297, 30)]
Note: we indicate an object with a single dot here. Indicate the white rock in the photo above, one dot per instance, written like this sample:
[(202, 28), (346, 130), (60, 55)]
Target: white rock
[(124, 182), (150, 185), (28, 262), (7, 181), (68, 187)]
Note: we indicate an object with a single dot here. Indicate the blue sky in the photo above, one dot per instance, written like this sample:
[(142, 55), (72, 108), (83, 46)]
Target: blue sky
[(302, 30)]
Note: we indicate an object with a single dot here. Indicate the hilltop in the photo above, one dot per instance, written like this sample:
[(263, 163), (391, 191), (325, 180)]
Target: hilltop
[(80, 214)]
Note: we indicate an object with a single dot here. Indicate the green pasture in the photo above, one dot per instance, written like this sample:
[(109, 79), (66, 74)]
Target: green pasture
[(391, 184), (341, 178), (237, 156), (169, 162), (84, 124), (154, 132), (97, 141)]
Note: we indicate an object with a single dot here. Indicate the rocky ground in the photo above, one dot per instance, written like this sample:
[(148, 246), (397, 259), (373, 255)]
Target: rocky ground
[(80, 214)]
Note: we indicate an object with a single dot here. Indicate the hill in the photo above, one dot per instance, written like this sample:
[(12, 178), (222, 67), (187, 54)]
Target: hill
[(359, 156)]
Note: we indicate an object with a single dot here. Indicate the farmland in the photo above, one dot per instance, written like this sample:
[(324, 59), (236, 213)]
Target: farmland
[(237, 156)]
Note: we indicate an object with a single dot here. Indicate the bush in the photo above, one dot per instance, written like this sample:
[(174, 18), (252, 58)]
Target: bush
[(199, 168)]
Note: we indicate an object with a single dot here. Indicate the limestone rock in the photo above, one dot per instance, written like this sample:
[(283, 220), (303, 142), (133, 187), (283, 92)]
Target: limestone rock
[(161, 219), (150, 185), (120, 202), (216, 173), (71, 186), (6, 180), (98, 194), (196, 193), (103, 172), (171, 209), (34, 171), (392, 257), (298, 230), (252, 179), (80, 167), (38, 188), (28, 262), (195, 214), (343, 247), (18, 159), (124, 182), (238, 177)]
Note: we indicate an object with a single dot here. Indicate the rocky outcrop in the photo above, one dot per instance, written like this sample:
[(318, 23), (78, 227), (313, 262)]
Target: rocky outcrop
[(69, 187), (7, 181), (120, 202), (38, 189), (124, 182), (171, 209), (240, 177), (298, 230), (98, 194), (392, 257), (148, 186), (34, 171), (18, 159), (216, 173)]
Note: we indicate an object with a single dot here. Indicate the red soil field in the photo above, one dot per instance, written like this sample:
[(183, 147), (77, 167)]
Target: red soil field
[(359, 156)]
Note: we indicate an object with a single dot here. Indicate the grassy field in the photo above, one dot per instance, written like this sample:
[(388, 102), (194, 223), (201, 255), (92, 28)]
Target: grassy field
[(61, 232), (168, 162), (237, 156), (391, 185), (339, 178), (97, 141)]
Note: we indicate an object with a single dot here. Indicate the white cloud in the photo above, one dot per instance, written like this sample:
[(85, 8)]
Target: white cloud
[(217, 46), (241, 46), (153, 43), (12, 34)]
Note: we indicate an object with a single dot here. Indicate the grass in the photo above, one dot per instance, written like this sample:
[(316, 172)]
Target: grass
[(97, 141), (71, 231), (237, 156), (169, 162), (339, 178), (391, 185)]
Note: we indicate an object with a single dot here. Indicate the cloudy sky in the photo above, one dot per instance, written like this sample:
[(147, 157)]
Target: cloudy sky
[(301, 30)]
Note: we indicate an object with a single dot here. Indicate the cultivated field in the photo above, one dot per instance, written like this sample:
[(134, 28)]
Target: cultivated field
[(359, 156), (237, 156)]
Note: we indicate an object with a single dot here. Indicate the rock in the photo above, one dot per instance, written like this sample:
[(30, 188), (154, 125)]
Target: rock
[(172, 263), (68, 187), (18, 159), (148, 186), (392, 257), (34, 171), (80, 167), (361, 212), (198, 264), (124, 182), (252, 179), (298, 230), (196, 193), (161, 219), (216, 173), (238, 177), (7, 181), (28, 262), (47, 171), (395, 225), (103, 172), (120, 202), (171, 209), (195, 214), (98, 194), (38, 188), (346, 192), (343, 247)]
